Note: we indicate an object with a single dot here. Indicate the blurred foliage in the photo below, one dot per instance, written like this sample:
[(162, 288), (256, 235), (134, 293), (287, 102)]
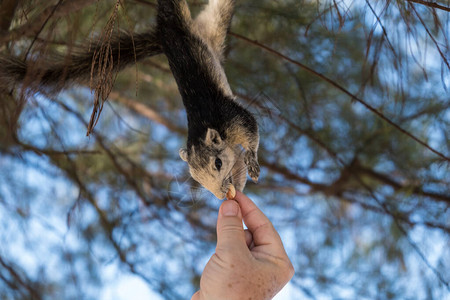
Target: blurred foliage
[(363, 208)]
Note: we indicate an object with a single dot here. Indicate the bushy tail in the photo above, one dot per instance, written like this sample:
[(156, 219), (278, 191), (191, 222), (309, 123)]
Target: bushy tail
[(12, 70), (79, 67)]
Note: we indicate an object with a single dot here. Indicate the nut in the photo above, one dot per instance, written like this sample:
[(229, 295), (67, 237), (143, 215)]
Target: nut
[(231, 192)]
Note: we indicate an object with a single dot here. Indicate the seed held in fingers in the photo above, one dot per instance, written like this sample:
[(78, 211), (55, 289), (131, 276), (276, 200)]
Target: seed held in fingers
[(231, 192)]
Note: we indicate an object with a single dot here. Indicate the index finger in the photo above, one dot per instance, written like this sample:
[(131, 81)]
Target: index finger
[(259, 225)]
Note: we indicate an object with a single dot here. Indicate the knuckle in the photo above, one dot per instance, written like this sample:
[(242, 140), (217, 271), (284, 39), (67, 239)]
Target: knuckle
[(227, 228)]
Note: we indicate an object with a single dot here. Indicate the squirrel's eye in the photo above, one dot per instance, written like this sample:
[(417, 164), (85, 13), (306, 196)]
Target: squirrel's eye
[(218, 164)]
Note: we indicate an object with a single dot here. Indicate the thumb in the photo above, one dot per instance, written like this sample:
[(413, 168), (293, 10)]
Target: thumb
[(230, 231)]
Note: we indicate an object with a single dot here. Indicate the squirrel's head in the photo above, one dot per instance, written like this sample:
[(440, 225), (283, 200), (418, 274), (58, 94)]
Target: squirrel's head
[(215, 164)]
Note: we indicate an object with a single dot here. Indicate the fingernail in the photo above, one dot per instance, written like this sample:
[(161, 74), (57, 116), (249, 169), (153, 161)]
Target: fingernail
[(230, 208)]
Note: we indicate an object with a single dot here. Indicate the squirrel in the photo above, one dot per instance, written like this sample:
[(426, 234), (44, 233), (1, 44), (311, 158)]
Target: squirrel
[(223, 137)]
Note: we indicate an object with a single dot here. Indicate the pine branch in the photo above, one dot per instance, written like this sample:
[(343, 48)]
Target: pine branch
[(33, 27), (441, 53), (431, 4), (19, 281), (397, 221), (416, 190), (342, 89), (337, 187), (147, 112), (277, 168)]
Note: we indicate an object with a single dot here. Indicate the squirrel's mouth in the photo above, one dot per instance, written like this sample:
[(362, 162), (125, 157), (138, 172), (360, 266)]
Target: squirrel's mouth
[(227, 182)]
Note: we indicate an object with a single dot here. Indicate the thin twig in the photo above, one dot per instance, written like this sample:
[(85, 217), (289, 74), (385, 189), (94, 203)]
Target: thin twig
[(431, 4), (443, 56), (23, 283), (147, 112), (52, 12)]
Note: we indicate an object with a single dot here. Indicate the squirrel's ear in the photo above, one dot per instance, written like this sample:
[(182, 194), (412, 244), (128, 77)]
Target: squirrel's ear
[(183, 154), (213, 137)]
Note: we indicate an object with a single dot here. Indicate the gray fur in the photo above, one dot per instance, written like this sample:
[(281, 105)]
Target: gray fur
[(211, 25)]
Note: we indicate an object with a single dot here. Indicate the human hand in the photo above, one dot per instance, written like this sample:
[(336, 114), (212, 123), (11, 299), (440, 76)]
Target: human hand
[(250, 264)]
